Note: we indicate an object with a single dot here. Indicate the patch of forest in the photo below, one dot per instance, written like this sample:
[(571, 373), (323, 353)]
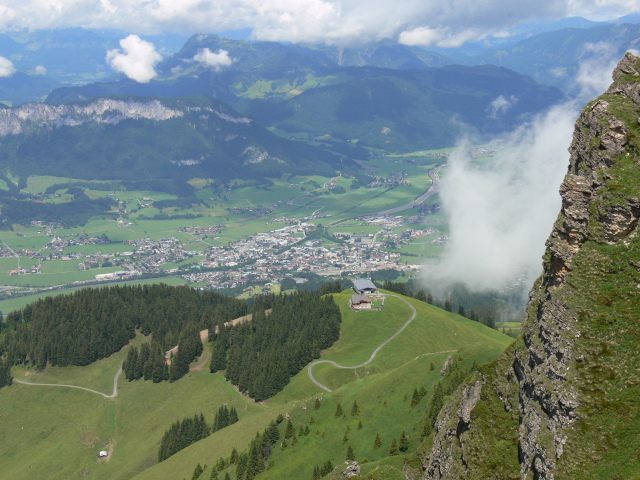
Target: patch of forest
[(261, 355), (90, 324), (182, 434)]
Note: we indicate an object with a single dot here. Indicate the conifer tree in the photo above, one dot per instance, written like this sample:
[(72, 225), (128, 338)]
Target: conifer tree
[(377, 443), (316, 405), (301, 431), (355, 410), (339, 412), (234, 456), (360, 425), (311, 419), (350, 455), (288, 432), (306, 430), (404, 442), (393, 449), (345, 438), (415, 398), (226, 476), (431, 367), (214, 473), (197, 472)]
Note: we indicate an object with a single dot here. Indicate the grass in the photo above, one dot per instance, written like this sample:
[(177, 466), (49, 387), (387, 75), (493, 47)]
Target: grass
[(47, 432), (57, 437)]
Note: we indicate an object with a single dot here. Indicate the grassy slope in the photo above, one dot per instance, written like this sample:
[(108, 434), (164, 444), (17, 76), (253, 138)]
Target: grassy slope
[(46, 432), (379, 390)]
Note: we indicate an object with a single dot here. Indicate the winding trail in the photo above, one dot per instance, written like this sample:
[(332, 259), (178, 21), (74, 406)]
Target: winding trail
[(113, 395), (373, 355)]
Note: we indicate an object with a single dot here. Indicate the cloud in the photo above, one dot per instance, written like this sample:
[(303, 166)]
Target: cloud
[(594, 73), (138, 60), (501, 211), (501, 104), (334, 21), (40, 70), (217, 60), (6, 67)]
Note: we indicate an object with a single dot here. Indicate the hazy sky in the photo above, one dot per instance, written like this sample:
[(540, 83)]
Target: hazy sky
[(415, 22)]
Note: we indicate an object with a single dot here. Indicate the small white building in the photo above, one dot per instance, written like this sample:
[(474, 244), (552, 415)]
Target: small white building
[(103, 453)]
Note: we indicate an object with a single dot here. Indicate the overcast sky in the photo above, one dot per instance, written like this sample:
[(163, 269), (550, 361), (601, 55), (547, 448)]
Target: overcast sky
[(416, 22)]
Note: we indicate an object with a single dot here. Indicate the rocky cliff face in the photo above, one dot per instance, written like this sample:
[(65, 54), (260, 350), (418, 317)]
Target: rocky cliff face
[(562, 403), (33, 116)]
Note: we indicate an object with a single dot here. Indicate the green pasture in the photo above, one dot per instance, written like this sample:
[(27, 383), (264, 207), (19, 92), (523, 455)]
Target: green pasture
[(69, 426)]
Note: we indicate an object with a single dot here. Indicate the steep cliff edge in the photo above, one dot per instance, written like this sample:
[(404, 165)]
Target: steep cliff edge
[(562, 403)]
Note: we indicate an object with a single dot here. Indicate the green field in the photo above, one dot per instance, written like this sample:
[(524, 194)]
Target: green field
[(55, 432)]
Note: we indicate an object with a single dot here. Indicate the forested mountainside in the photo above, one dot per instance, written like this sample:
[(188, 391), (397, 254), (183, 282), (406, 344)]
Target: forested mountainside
[(562, 401), (169, 140)]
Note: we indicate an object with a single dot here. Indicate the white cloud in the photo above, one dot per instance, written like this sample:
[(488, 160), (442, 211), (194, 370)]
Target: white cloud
[(40, 70), (138, 60), (594, 74), (217, 60), (333, 21), (502, 211), (501, 104), (423, 36), (6, 67)]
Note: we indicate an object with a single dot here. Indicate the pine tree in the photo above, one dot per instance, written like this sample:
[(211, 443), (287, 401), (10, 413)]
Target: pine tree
[(461, 311), (404, 442), (447, 305), (316, 405), (301, 431), (377, 443), (214, 473), (393, 449), (306, 430), (350, 455), (354, 409), (197, 472), (226, 476), (431, 367), (288, 433), (360, 425), (311, 420), (234, 456), (339, 412), (345, 438), (415, 398)]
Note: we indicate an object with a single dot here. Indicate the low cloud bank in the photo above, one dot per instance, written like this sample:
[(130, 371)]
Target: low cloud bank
[(501, 211)]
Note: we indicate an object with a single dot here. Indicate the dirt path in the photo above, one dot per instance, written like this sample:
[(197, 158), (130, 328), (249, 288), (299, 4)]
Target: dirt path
[(204, 336), (113, 395), (373, 355)]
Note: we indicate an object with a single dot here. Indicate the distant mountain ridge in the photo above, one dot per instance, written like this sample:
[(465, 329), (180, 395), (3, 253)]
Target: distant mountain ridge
[(129, 138)]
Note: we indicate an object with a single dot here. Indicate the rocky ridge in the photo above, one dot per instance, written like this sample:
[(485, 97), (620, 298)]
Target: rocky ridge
[(560, 398)]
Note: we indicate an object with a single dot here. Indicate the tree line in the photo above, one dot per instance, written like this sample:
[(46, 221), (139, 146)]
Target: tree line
[(261, 355), (484, 313)]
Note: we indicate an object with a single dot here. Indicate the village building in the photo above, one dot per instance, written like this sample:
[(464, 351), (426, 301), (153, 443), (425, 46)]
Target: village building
[(360, 301), (364, 286)]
